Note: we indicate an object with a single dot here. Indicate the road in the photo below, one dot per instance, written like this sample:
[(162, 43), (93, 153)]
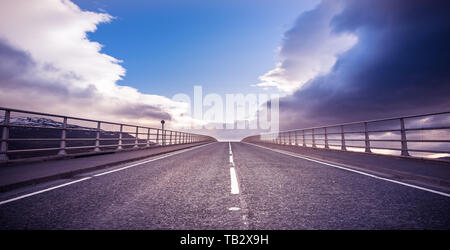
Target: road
[(193, 189)]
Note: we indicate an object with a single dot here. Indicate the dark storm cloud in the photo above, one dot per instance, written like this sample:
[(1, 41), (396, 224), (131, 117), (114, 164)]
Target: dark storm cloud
[(16, 66), (13, 62), (143, 111), (399, 66)]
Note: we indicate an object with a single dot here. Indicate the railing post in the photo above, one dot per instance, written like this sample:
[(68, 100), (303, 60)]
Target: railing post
[(136, 139), (343, 147), (304, 139), (119, 147), (164, 133), (62, 143), (289, 135), (367, 139), (97, 138), (170, 139), (5, 137), (157, 136), (313, 139), (148, 137), (296, 138), (326, 139), (284, 138), (403, 138)]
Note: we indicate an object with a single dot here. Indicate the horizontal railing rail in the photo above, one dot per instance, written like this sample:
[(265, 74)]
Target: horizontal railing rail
[(20, 141), (364, 135)]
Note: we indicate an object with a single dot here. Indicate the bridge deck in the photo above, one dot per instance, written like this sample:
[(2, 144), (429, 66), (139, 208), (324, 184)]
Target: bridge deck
[(191, 190)]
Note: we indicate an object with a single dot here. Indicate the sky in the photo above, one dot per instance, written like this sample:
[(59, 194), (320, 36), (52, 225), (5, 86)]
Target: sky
[(397, 67), (222, 45), (332, 61)]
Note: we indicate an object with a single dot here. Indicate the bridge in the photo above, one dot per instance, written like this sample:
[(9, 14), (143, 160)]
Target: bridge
[(62, 172)]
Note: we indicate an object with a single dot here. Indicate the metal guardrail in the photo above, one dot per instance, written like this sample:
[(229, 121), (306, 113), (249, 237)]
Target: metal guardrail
[(152, 136), (339, 136)]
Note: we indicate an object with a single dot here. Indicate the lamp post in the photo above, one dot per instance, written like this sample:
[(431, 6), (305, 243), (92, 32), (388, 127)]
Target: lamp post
[(163, 133)]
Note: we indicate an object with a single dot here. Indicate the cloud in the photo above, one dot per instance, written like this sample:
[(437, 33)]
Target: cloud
[(398, 66), (310, 48), (47, 58)]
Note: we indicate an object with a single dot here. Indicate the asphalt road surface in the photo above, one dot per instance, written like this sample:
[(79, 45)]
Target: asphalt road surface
[(208, 188)]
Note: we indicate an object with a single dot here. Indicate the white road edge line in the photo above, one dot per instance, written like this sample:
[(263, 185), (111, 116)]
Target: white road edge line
[(104, 173), (147, 161), (43, 191), (353, 170)]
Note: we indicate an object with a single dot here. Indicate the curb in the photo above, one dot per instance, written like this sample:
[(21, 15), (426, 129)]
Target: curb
[(39, 180)]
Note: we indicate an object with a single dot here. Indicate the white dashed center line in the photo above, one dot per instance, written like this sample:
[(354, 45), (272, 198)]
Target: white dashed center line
[(242, 209), (234, 182)]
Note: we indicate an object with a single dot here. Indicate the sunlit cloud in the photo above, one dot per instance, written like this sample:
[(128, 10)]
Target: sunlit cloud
[(52, 66)]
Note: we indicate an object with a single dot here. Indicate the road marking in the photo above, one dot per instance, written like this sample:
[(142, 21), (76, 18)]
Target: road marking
[(231, 154), (43, 191), (147, 161), (234, 183), (97, 175), (353, 170), (231, 160), (235, 190)]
